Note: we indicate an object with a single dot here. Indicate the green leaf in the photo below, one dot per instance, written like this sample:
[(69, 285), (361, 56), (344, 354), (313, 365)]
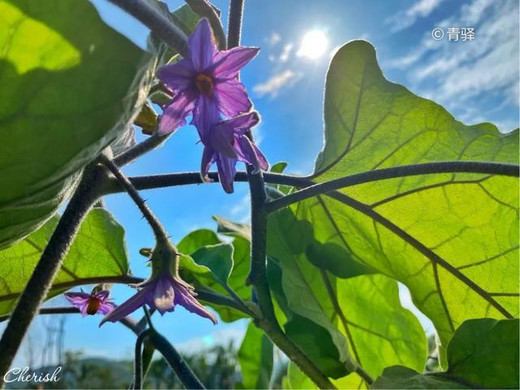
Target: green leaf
[(485, 352), (232, 229), (256, 359), (399, 377), (218, 258), (350, 310), (482, 354), (316, 342), (70, 87), (296, 379), (336, 259), (97, 252), (452, 239), (208, 263)]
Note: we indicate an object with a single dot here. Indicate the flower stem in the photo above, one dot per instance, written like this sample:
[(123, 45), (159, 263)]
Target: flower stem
[(176, 362), (157, 23), (41, 279), (158, 229), (138, 359)]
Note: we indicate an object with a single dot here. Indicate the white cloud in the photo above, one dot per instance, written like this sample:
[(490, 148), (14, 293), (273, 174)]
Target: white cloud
[(274, 38), (240, 211), (407, 18), (274, 84), (456, 74), (286, 52)]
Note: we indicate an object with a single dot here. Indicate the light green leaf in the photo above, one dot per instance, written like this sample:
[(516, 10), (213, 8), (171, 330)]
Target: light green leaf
[(210, 264), (452, 239), (97, 252), (351, 310), (256, 359), (69, 88), (232, 229), (483, 353), (218, 258)]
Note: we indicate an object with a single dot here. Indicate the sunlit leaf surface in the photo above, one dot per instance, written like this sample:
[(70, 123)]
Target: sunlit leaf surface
[(69, 86), (97, 252)]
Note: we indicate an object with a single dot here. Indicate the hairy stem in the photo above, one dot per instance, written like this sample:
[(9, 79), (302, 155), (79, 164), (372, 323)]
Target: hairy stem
[(187, 178), (138, 150), (394, 172), (138, 359), (236, 9), (158, 229), (157, 23), (176, 362), (41, 279)]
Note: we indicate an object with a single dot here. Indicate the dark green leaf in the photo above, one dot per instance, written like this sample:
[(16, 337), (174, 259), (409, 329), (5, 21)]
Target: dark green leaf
[(256, 359), (97, 252), (316, 342), (70, 85), (336, 259), (218, 258), (485, 352), (399, 377)]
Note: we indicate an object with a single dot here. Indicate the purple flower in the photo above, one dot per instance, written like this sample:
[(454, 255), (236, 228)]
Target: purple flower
[(162, 293), (227, 143), (92, 303), (204, 83), (163, 290)]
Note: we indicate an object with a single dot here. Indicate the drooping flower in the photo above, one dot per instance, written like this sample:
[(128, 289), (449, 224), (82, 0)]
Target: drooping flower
[(227, 143), (204, 83), (163, 290), (93, 303)]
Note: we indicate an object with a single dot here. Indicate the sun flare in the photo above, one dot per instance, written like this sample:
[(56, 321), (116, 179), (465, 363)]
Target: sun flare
[(314, 44)]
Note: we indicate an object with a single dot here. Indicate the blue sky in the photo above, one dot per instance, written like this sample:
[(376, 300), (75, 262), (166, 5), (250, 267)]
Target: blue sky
[(475, 80)]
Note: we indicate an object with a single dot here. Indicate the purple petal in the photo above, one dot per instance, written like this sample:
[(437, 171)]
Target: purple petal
[(185, 298), (129, 306), (102, 295), (232, 97), (228, 63), (205, 116), (163, 296), (175, 113), (177, 76), (249, 153), (241, 123), (222, 138), (106, 307), (226, 171), (79, 300), (201, 46), (208, 158)]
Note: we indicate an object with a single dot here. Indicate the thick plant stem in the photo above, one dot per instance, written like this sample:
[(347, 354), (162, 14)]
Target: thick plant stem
[(38, 285), (176, 362), (157, 23), (258, 273), (236, 9), (138, 360)]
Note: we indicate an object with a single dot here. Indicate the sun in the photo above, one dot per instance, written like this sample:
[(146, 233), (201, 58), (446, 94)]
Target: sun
[(314, 44)]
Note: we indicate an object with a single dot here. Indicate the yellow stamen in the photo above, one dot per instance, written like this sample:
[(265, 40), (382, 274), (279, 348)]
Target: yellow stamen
[(204, 84)]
